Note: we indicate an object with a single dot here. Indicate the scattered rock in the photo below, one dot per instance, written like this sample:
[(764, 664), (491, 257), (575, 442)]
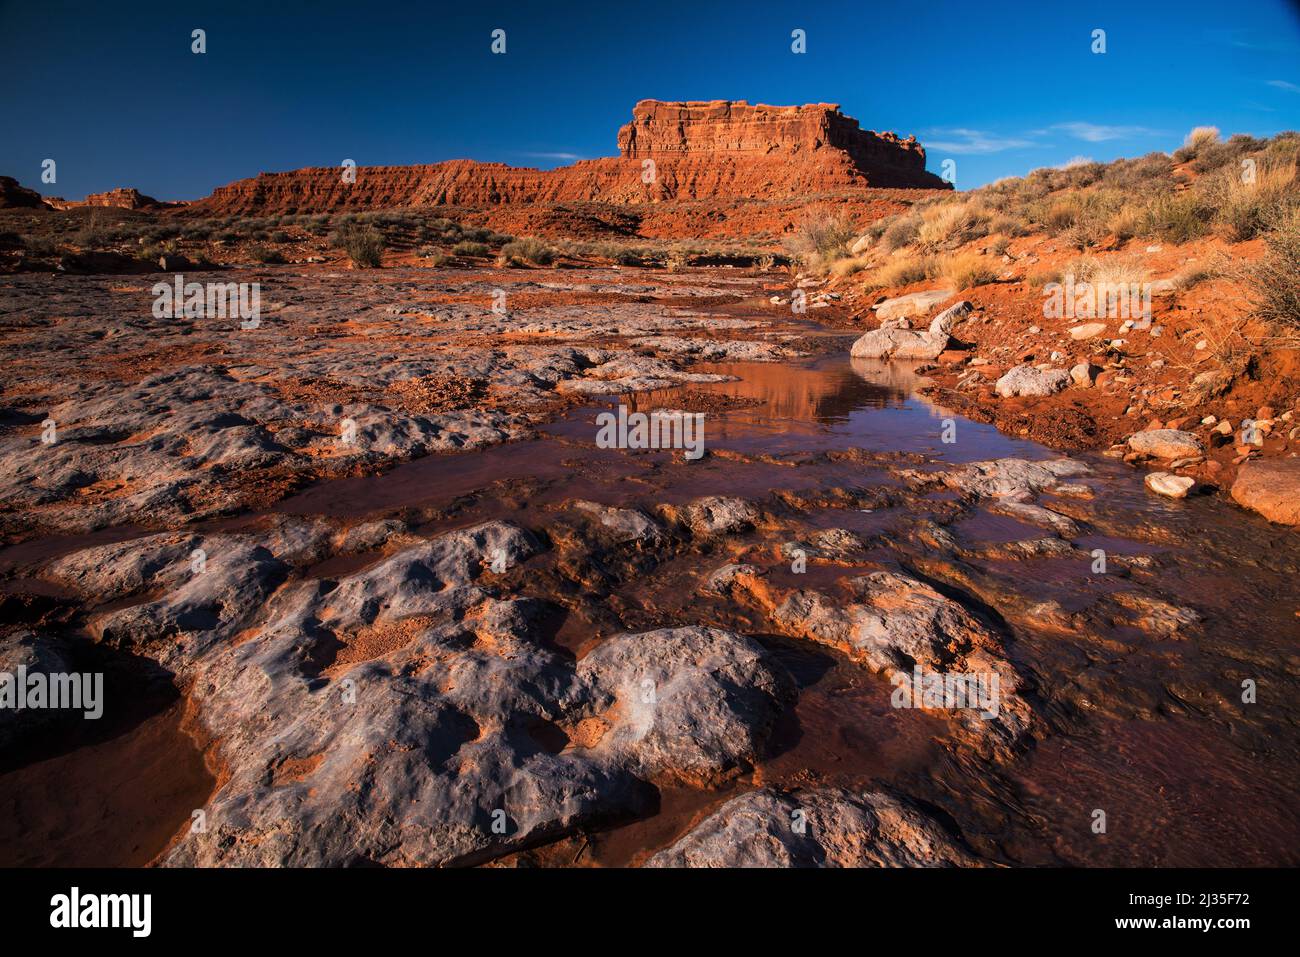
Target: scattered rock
[(1166, 443), (899, 344), (914, 304), (1270, 487), (1170, 486), (1025, 380), (1087, 330)]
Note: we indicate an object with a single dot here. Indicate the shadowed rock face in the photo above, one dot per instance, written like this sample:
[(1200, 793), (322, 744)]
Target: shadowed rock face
[(720, 150)]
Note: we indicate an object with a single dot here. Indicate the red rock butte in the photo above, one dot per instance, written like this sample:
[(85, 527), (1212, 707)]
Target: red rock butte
[(715, 150)]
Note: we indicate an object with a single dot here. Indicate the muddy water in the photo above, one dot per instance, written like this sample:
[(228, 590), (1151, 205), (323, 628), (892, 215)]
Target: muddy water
[(1145, 726), (1173, 774)]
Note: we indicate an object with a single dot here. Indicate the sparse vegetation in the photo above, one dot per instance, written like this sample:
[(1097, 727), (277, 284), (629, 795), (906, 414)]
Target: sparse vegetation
[(364, 245), (471, 250), (822, 238), (967, 270), (527, 249), (1275, 279), (266, 254)]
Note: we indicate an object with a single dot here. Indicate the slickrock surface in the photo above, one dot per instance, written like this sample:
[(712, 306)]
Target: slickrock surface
[(473, 636), (160, 420), (819, 828)]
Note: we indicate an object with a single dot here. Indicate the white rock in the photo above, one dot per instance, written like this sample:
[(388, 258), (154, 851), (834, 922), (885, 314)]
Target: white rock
[(1170, 486), (1026, 380), (1087, 330)]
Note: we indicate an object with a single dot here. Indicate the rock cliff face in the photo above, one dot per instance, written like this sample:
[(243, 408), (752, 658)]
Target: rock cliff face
[(719, 150), (15, 196), (121, 199)]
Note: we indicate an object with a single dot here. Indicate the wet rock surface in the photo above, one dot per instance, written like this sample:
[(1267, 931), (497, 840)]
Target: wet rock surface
[(539, 651)]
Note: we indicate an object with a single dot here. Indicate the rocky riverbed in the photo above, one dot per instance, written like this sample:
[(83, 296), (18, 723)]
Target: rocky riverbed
[(365, 589)]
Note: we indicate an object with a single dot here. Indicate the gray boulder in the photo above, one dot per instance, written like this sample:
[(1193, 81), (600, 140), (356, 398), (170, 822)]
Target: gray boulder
[(1025, 380)]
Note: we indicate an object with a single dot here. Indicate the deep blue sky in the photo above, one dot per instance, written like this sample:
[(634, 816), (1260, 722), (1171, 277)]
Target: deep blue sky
[(112, 92)]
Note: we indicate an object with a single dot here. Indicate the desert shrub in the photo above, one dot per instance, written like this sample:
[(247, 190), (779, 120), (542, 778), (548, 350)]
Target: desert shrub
[(1197, 273), (901, 232), (39, 247), (265, 254), (364, 245), (152, 251), (1113, 270), (1275, 278), (999, 245), (93, 234), (951, 225), (1244, 206), (901, 271), (1197, 140), (850, 266), (1143, 176), (966, 270), (528, 249), (1007, 226), (1126, 222), (822, 238), (1178, 217), (435, 257), (279, 236), (1061, 214), (1041, 277), (471, 250), (1214, 156)]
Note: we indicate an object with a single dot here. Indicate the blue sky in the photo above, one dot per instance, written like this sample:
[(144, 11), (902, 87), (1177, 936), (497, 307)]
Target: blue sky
[(112, 92)]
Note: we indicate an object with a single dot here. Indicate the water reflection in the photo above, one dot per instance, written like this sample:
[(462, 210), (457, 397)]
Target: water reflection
[(833, 402)]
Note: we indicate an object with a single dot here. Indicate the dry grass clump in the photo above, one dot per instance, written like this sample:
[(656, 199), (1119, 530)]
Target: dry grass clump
[(1113, 270), (526, 249), (364, 245), (1197, 140), (1246, 199), (950, 225), (1197, 273), (901, 269), (901, 232), (967, 270), (822, 238), (1275, 278)]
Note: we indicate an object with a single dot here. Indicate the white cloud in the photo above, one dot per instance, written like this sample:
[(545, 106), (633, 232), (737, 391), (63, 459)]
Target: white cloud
[(974, 141), (571, 157), (1285, 85), (1100, 132)]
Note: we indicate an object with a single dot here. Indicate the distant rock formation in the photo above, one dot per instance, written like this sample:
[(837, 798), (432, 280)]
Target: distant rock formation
[(15, 196), (121, 199), (716, 150)]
